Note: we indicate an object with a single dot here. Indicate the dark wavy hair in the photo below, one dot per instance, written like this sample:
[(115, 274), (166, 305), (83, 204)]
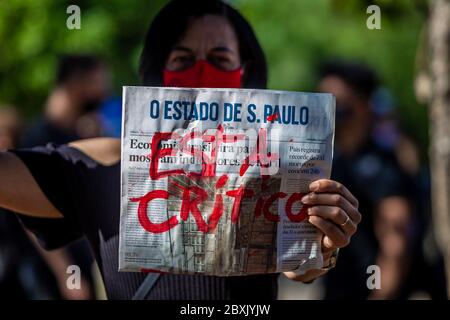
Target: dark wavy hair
[(171, 22)]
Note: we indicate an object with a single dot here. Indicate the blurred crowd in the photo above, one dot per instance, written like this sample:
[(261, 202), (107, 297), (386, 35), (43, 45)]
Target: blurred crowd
[(79, 106), (381, 163), (374, 157)]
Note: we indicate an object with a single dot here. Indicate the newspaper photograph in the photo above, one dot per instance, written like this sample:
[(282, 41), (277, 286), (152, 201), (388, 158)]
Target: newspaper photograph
[(212, 179)]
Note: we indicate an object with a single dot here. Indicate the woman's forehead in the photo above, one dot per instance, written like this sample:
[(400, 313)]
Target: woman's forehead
[(209, 31)]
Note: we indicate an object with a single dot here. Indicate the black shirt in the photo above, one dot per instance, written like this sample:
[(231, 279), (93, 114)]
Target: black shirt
[(88, 195)]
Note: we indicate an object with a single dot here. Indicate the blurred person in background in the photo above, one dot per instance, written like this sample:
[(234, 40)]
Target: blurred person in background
[(10, 127), (386, 234), (388, 135), (427, 275), (70, 113), (23, 272)]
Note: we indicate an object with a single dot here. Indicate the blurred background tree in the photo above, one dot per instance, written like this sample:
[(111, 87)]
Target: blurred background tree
[(296, 36), (439, 104)]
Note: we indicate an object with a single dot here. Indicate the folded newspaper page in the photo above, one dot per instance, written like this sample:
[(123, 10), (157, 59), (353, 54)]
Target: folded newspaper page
[(212, 179)]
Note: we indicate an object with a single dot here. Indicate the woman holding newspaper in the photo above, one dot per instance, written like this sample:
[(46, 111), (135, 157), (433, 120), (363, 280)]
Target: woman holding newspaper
[(64, 192)]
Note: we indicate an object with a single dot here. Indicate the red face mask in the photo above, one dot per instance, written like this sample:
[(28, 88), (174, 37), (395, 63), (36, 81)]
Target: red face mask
[(203, 75)]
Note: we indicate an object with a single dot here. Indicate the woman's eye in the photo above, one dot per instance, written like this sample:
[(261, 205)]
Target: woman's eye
[(221, 62), (181, 59), (220, 59), (178, 63)]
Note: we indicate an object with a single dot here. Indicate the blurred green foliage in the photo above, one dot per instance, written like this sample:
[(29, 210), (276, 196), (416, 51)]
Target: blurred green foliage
[(33, 34), (297, 35)]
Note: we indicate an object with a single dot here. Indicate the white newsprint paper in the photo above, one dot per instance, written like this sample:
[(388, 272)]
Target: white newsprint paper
[(212, 179)]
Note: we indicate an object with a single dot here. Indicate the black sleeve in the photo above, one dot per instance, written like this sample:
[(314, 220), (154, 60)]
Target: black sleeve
[(60, 172)]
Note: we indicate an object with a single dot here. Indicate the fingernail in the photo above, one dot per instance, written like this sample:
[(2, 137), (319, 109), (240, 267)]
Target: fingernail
[(314, 186), (305, 199), (310, 211)]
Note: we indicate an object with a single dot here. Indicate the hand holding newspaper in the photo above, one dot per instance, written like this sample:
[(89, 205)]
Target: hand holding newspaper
[(212, 179)]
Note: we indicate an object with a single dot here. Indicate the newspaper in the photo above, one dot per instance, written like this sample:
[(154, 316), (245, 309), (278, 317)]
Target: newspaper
[(212, 179)]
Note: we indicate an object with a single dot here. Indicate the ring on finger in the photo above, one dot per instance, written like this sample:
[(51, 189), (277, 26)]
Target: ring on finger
[(343, 225)]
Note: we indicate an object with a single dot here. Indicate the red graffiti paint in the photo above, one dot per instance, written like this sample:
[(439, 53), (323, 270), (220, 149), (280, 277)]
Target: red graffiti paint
[(302, 214), (272, 117), (218, 205), (193, 196), (238, 195), (268, 203), (260, 155), (143, 217), (157, 153)]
